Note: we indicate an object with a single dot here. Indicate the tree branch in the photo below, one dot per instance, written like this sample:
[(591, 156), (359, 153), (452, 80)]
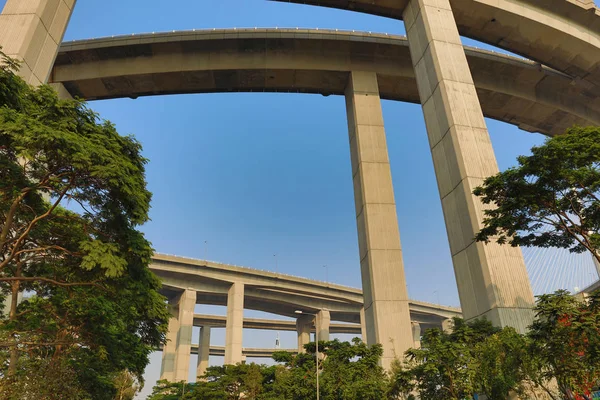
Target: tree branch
[(44, 248), (33, 223), (48, 280), (9, 218)]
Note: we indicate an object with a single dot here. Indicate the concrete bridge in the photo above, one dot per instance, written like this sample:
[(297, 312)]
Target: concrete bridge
[(510, 89), (187, 282), (456, 88), (219, 351)]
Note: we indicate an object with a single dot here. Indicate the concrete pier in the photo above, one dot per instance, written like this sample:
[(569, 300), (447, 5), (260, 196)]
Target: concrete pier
[(323, 323), (387, 316), (187, 302), (416, 329), (235, 324), (167, 368), (32, 31), (303, 327), (492, 279), (203, 351)]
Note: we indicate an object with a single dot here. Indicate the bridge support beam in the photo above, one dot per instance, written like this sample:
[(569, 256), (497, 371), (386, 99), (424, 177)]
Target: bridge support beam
[(187, 302), (31, 31), (363, 325), (597, 265), (235, 324), (167, 368), (303, 325), (323, 322), (447, 325), (492, 280), (203, 351), (176, 353), (387, 316), (416, 329)]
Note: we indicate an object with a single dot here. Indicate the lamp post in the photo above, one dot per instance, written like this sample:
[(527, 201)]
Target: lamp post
[(316, 343)]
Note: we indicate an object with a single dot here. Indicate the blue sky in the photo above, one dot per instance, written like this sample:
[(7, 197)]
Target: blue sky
[(254, 175)]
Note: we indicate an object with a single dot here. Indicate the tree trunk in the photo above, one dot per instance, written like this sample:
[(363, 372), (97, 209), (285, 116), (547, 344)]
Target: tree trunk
[(14, 351)]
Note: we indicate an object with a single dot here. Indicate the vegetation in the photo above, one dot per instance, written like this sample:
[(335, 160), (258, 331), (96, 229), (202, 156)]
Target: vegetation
[(348, 371), (565, 344), (551, 199), (72, 194), (562, 346)]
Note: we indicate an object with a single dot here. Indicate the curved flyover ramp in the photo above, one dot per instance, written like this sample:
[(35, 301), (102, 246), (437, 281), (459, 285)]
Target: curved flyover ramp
[(563, 34), (510, 89)]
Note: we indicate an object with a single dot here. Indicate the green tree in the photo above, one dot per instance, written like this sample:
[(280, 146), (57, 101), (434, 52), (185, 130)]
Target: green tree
[(165, 390), (401, 384), (298, 378), (565, 343), (72, 194), (551, 199), (499, 361), (228, 382), (349, 371), (445, 367), (126, 385)]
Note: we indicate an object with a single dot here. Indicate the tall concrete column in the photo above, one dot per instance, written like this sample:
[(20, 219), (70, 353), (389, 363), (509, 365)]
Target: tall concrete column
[(235, 324), (385, 295), (303, 325), (203, 351), (416, 329), (31, 31), (492, 280), (167, 367), (187, 302), (363, 325), (322, 324), (448, 325)]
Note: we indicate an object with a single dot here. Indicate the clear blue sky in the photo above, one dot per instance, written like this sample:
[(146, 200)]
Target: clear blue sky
[(262, 174), (255, 175)]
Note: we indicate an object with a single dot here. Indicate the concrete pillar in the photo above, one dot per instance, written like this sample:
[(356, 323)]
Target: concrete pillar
[(597, 265), (447, 325), (187, 302), (303, 327), (167, 368), (492, 280), (235, 324), (31, 31), (363, 325), (203, 351), (322, 324), (8, 303), (416, 329), (385, 294)]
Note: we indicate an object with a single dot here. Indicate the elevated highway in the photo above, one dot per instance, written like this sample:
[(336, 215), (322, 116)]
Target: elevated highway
[(456, 87), (275, 293), (510, 89), (562, 34), (219, 351), (187, 282), (219, 321)]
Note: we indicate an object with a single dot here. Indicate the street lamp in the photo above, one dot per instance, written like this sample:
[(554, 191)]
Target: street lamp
[(316, 342)]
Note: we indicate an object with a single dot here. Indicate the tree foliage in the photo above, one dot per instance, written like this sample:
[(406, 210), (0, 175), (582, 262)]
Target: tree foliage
[(561, 349), (565, 343), (445, 367), (500, 362), (126, 385), (551, 199), (349, 371), (72, 194)]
